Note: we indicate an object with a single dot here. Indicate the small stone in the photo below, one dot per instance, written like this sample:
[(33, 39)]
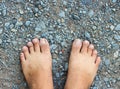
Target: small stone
[(107, 62), (1, 30), (57, 75), (112, 27), (75, 17), (117, 37), (21, 11), (66, 66), (114, 1), (0, 41), (62, 14), (4, 12), (91, 13), (7, 24), (13, 30), (41, 26), (117, 27), (94, 27), (87, 35), (27, 23), (19, 23), (116, 54)]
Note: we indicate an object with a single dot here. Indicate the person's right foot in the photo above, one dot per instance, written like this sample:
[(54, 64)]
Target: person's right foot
[(36, 63), (83, 65)]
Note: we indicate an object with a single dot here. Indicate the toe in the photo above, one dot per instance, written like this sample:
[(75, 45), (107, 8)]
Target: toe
[(44, 45), (22, 58), (36, 45), (97, 62), (25, 51), (76, 46), (94, 54), (30, 45), (85, 46), (90, 49)]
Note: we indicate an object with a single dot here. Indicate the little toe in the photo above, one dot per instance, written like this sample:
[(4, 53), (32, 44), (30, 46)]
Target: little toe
[(36, 45), (90, 49), (97, 62), (85, 46), (30, 45), (44, 45), (76, 46), (25, 51), (94, 54)]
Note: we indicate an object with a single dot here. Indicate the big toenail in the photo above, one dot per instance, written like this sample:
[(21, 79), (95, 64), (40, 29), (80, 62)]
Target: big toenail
[(77, 42), (42, 41)]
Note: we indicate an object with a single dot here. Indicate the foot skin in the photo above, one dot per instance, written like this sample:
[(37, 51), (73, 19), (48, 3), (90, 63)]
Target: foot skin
[(36, 63), (83, 65)]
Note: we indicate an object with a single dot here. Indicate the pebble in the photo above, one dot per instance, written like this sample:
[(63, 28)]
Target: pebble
[(117, 37), (62, 14), (107, 62), (1, 30), (4, 12), (27, 23), (66, 66), (114, 1), (0, 41), (7, 24), (57, 75), (19, 23), (87, 35), (40, 26), (117, 27), (116, 54), (91, 13), (112, 27)]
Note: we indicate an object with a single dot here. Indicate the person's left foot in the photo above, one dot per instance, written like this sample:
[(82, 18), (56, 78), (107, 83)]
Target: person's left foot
[(36, 63)]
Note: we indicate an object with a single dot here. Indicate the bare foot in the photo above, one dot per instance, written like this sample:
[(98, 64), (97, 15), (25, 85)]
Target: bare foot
[(83, 65), (37, 64)]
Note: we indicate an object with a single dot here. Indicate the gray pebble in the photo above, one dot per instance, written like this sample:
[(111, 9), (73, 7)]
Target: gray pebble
[(117, 27), (62, 14), (117, 37), (1, 30), (116, 54), (114, 1), (0, 41), (91, 13), (19, 23), (57, 75), (87, 35), (27, 23), (107, 62), (66, 66), (40, 26), (4, 12), (7, 24)]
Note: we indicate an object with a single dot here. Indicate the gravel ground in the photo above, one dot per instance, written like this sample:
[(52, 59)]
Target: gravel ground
[(60, 21)]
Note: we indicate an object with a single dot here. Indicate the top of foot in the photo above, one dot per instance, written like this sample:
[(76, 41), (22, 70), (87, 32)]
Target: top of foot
[(83, 65)]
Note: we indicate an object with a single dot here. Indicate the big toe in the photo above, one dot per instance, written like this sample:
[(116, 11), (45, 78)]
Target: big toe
[(76, 46), (45, 48)]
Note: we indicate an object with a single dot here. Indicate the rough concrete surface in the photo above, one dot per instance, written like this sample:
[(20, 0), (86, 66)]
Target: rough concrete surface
[(60, 21)]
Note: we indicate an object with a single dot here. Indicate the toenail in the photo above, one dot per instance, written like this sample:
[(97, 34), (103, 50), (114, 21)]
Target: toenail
[(77, 42), (35, 40), (43, 41), (91, 46), (29, 44), (86, 42)]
